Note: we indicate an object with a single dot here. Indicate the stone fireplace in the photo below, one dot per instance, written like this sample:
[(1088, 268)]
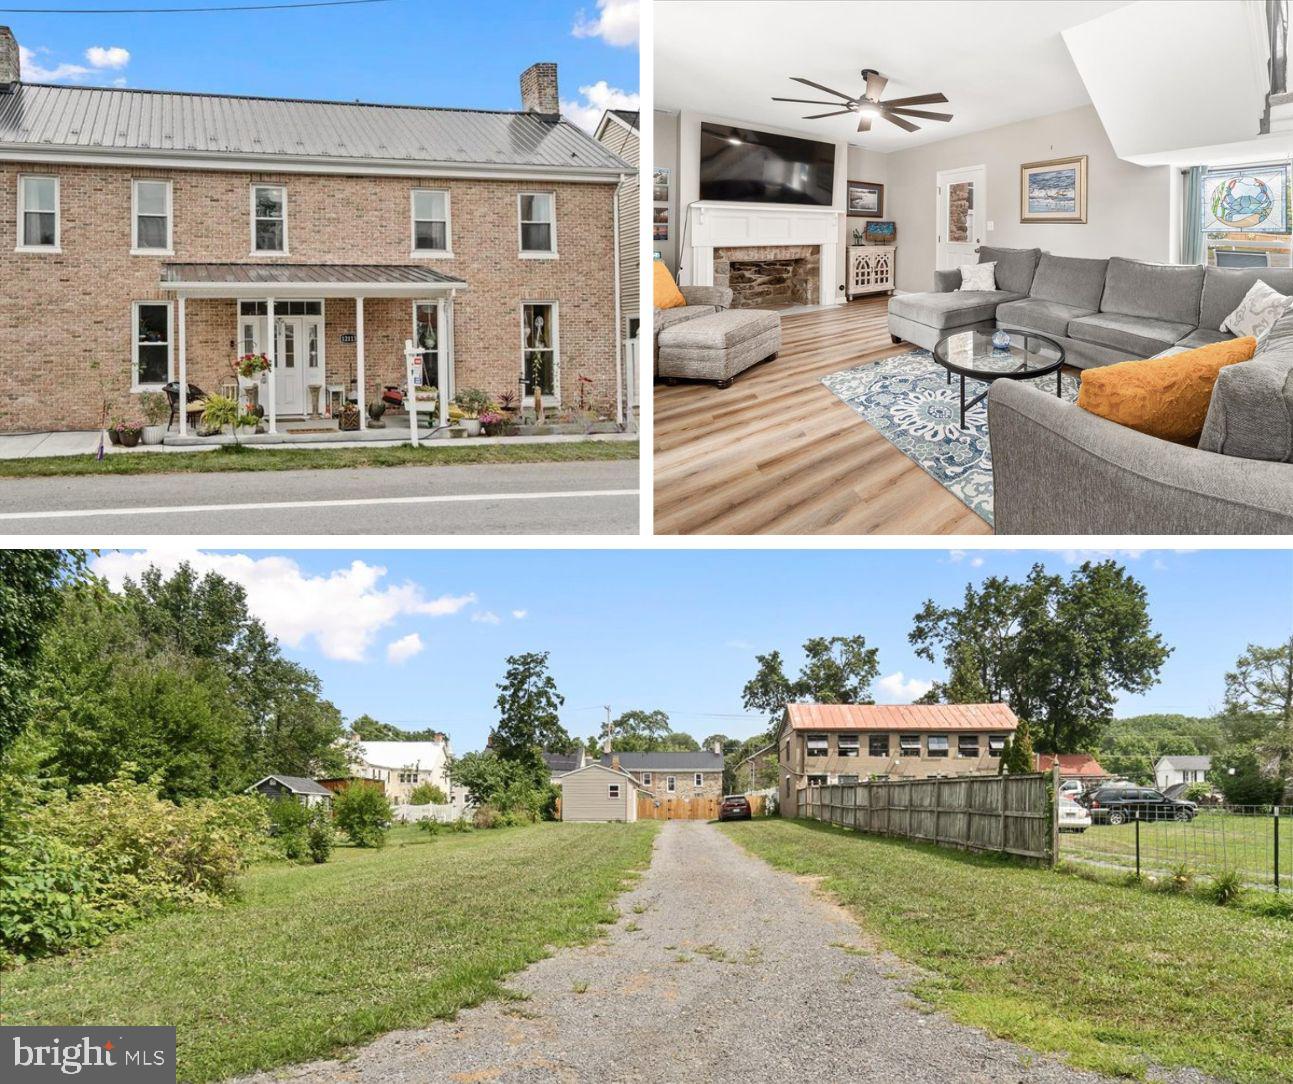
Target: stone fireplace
[(770, 275)]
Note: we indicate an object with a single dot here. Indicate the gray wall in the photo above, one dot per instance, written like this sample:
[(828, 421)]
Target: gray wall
[(1130, 209), (584, 796), (666, 154), (865, 165)]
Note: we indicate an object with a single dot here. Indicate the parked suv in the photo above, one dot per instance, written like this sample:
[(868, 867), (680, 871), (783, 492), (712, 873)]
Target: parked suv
[(735, 807), (1117, 803)]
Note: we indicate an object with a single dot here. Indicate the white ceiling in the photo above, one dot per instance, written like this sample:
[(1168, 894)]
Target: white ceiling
[(998, 61)]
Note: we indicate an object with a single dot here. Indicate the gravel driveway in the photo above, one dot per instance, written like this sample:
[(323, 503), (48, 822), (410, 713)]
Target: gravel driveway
[(719, 969)]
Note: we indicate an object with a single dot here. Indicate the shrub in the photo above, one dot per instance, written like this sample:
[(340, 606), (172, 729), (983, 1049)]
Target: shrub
[(462, 824), (1226, 887), (431, 826), (319, 835), (289, 822), (427, 794), (1197, 792), (363, 813)]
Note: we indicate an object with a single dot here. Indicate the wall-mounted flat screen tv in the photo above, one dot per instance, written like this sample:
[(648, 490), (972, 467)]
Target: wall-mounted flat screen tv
[(742, 165)]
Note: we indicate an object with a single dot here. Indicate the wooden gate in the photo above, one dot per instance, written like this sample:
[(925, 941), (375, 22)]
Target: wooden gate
[(677, 809)]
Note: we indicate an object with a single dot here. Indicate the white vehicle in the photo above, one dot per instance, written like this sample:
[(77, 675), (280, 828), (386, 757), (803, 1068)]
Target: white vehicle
[(1071, 789), (1073, 818)]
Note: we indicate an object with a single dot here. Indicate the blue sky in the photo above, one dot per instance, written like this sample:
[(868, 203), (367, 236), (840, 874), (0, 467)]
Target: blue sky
[(419, 638), (407, 51)]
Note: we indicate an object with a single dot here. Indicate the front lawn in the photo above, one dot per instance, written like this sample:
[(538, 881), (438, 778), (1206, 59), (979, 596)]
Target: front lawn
[(315, 958), (227, 458), (1107, 975)]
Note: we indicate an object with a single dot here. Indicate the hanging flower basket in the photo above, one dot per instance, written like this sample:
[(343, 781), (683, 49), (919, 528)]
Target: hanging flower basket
[(249, 367)]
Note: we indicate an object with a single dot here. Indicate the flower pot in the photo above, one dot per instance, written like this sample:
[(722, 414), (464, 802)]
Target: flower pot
[(129, 437), (247, 430), (471, 426), (153, 434), (114, 437)]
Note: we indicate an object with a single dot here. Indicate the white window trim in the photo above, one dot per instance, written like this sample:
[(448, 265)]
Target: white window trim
[(671, 784), (646, 779), (57, 246), (135, 250), (555, 397), (551, 254), (251, 199), (699, 780), (445, 253), (135, 386), (613, 791)]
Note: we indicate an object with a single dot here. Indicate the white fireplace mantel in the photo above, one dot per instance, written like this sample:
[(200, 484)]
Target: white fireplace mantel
[(737, 225)]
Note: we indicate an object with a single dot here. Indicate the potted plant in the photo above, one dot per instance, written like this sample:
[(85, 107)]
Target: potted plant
[(248, 423), (128, 433), (114, 435), (472, 402), (157, 410), (493, 422), (221, 414), (507, 403), (249, 368)]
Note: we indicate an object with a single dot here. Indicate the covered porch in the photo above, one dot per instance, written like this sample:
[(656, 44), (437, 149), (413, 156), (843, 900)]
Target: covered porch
[(296, 315)]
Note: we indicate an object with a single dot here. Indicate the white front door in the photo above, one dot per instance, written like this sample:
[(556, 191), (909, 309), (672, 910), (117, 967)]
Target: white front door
[(298, 360), (962, 215)]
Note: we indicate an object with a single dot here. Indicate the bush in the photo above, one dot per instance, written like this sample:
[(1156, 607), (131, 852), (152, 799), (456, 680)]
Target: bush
[(1226, 887), (319, 836), (427, 794), (1197, 792), (363, 813), (431, 826), (290, 822)]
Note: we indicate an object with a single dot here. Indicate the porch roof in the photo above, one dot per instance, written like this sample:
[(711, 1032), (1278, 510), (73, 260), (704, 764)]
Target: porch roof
[(306, 280)]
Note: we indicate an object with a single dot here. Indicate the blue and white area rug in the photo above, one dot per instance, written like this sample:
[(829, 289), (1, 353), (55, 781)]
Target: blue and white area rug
[(908, 399)]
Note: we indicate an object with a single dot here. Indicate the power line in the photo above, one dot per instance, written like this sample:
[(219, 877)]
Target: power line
[(191, 11)]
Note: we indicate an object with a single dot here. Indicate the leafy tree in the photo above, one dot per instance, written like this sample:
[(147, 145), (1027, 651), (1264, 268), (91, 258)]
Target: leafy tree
[(679, 741), (636, 731), (506, 787), (529, 722), (1057, 651), (1242, 777), (363, 813), (1261, 687), (319, 838), (836, 670), (366, 728), (290, 820), (427, 794), (29, 602), (727, 745)]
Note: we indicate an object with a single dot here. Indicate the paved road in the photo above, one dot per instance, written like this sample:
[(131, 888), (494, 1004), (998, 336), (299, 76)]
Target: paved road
[(731, 971), (523, 498)]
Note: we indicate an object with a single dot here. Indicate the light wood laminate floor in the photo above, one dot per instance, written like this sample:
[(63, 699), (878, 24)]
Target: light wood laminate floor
[(776, 453)]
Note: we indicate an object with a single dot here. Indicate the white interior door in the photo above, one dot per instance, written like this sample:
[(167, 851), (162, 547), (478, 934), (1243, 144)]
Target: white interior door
[(289, 364), (962, 215)]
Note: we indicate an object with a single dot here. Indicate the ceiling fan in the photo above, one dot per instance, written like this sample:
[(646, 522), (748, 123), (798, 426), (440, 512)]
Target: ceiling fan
[(868, 105)]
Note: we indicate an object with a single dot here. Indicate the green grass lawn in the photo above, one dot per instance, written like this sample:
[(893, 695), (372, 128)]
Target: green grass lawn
[(1213, 842), (225, 458), (1106, 975), (318, 957)]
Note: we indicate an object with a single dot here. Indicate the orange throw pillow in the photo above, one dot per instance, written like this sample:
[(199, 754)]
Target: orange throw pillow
[(665, 290), (1165, 397)]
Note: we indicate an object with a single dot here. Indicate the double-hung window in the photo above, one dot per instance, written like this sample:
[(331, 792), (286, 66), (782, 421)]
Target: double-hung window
[(699, 780), (936, 745), (38, 217), (151, 322), (538, 224), (612, 791), (151, 207), (846, 745), (540, 356), (817, 745), (671, 784), (646, 779), (431, 222), (909, 745), (268, 218)]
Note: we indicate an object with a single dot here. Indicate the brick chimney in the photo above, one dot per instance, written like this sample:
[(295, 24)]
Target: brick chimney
[(615, 762), (11, 72), (717, 747), (538, 90)]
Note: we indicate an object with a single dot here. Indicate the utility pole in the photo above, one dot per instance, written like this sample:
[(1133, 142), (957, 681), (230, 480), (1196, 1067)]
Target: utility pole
[(607, 744)]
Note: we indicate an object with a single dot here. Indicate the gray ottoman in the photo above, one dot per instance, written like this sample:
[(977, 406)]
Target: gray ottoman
[(718, 347)]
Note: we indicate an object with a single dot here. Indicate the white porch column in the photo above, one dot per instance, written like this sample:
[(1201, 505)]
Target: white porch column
[(359, 362), (272, 346), (446, 362), (184, 368)]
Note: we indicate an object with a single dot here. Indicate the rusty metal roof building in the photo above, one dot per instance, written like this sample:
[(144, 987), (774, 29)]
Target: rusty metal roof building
[(129, 124), (893, 717)]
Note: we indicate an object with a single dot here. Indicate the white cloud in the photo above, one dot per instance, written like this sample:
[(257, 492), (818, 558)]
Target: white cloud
[(899, 689), (340, 612), (404, 648), (740, 645), (114, 56), (955, 557), (597, 98), (101, 61), (616, 23), (486, 617), (1076, 557), (520, 615)]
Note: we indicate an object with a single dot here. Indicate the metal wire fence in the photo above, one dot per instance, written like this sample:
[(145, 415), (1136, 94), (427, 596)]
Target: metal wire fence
[(1255, 842)]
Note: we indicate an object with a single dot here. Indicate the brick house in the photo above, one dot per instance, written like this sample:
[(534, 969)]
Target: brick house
[(674, 775), (159, 235), (841, 743)]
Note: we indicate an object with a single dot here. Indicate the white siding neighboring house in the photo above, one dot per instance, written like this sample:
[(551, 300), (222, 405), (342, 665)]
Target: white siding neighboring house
[(597, 792), (1169, 770), (403, 765)]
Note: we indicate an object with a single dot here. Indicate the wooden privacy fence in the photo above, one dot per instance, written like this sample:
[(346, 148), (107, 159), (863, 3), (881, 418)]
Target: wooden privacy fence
[(1008, 814), (677, 809)]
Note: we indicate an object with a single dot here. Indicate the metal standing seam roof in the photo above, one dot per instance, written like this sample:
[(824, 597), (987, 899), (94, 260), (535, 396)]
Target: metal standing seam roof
[(297, 784), (912, 717), (703, 761), (285, 273), (222, 125)]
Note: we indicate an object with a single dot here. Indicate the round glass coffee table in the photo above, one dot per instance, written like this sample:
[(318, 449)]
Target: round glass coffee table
[(972, 353)]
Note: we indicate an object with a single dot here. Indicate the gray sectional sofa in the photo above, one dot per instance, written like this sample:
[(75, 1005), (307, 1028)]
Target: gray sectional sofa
[(1058, 469)]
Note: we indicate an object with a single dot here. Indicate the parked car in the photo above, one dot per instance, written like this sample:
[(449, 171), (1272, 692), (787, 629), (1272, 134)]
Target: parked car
[(1119, 803), (735, 807), (1071, 789), (1073, 817)]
